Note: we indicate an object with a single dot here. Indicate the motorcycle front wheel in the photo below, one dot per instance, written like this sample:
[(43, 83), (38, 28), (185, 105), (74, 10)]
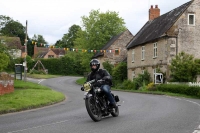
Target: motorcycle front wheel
[(115, 112), (94, 112)]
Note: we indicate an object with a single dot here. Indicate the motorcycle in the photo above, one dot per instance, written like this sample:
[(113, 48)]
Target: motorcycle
[(97, 103)]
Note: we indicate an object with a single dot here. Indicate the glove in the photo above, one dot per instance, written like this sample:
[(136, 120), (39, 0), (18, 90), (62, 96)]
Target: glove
[(82, 88)]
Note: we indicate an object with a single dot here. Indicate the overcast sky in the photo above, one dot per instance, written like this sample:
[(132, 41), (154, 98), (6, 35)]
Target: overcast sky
[(52, 18)]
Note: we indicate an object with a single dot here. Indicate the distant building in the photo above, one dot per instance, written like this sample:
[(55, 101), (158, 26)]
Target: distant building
[(115, 49), (42, 52), (14, 45)]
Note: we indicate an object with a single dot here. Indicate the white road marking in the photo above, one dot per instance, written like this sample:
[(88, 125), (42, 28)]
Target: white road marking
[(198, 129), (40, 81), (38, 126)]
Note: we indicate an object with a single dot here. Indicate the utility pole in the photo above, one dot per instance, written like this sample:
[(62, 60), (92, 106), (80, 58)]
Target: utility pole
[(25, 63)]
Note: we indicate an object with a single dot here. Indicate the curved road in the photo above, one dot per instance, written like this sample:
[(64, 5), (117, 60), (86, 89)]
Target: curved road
[(139, 113)]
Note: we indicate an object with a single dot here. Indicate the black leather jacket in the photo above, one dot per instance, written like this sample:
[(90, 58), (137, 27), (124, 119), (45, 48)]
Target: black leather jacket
[(100, 74)]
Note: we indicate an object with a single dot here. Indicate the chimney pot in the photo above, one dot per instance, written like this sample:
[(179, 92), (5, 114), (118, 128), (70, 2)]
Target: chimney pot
[(154, 12)]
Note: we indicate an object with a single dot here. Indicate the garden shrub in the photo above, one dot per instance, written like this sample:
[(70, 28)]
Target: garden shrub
[(180, 89)]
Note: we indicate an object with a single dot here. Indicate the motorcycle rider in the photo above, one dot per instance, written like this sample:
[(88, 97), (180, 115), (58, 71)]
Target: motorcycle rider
[(103, 74)]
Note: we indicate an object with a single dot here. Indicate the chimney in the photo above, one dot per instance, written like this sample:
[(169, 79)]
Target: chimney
[(154, 12)]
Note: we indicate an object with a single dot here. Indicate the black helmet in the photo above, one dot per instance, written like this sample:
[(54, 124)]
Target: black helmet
[(94, 62)]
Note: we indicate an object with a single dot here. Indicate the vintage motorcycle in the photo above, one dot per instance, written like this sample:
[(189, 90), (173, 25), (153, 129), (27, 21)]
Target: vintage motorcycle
[(96, 102)]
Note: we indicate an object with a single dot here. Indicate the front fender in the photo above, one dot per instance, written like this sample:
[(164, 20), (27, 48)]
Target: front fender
[(87, 95)]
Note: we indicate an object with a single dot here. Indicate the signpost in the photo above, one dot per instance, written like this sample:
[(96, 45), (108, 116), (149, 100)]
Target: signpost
[(25, 63)]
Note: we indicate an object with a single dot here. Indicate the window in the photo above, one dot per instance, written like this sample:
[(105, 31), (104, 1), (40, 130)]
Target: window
[(116, 51), (133, 55), (154, 72), (143, 52), (155, 49), (50, 56), (191, 19), (133, 74), (142, 71)]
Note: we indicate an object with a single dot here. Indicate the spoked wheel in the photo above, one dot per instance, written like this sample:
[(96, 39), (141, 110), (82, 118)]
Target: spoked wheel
[(115, 111), (94, 112)]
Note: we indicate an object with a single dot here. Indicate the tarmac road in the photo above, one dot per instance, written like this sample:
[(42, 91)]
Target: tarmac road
[(139, 113)]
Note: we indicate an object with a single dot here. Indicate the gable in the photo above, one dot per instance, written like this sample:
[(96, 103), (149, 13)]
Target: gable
[(156, 28), (110, 43)]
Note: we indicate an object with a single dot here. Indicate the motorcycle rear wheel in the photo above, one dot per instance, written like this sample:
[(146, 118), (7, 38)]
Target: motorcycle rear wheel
[(94, 112)]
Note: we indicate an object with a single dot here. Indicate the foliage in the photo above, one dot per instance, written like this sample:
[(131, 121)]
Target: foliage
[(184, 68), (39, 39), (120, 72), (151, 87), (37, 72), (98, 29), (4, 59), (69, 38), (142, 79), (126, 85), (197, 63), (4, 20), (30, 48), (64, 66), (180, 88), (108, 66), (13, 29)]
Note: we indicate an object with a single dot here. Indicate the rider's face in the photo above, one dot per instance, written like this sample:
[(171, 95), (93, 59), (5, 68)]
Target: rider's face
[(94, 66)]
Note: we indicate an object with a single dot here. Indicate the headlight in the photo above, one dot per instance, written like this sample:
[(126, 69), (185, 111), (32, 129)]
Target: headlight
[(87, 87)]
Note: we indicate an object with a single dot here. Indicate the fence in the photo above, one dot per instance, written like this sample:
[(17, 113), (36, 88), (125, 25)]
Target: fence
[(194, 84)]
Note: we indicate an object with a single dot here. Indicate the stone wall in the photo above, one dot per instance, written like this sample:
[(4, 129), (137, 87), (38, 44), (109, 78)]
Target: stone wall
[(6, 83)]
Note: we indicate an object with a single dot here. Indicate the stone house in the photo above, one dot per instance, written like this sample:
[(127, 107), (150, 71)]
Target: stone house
[(14, 45), (42, 52), (114, 51), (163, 37)]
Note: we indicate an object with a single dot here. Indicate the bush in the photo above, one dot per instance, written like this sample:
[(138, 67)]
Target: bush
[(180, 88), (126, 85), (120, 72), (151, 87), (142, 79)]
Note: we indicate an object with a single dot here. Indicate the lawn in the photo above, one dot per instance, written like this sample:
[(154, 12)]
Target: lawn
[(28, 95)]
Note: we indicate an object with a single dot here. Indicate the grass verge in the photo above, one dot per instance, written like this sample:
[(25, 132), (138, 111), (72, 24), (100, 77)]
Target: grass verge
[(28, 95)]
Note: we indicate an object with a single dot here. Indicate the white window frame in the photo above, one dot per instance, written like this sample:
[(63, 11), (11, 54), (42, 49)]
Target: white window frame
[(143, 53), (190, 14), (133, 55), (154, 71), (155, 50), (133, 74), (142, 71)]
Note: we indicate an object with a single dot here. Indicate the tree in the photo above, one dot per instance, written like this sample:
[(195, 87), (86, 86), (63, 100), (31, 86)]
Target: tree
[(98, 29), (4, 20), (14, 29), (184, 68), (120, 72), (39, 38), (69, 38), (4, 57)]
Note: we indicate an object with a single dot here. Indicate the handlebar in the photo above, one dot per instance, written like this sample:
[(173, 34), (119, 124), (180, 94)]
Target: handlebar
[(92, 81)]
